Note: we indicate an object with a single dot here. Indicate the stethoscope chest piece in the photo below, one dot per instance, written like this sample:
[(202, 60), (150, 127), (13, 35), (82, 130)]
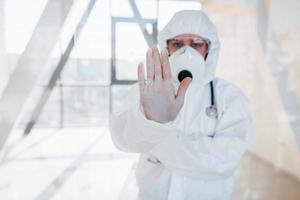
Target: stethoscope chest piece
[(211, 111)]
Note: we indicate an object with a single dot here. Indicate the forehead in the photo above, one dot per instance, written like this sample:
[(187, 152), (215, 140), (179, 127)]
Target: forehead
[(187, 36)]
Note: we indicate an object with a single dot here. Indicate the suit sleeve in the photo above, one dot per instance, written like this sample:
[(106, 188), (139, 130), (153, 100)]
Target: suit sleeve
[(206, 156), (202, 156)]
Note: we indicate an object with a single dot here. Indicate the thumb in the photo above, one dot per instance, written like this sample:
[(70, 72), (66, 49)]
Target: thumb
[(182, 90)]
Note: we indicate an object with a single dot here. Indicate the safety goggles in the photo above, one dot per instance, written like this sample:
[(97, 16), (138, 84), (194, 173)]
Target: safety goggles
[(197, 43)]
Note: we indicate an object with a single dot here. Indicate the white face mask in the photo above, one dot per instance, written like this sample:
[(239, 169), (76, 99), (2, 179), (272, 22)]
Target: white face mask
[(187, 62)]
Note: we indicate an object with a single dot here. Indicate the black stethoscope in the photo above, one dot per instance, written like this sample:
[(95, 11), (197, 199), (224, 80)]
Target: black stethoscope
[(212, 111)]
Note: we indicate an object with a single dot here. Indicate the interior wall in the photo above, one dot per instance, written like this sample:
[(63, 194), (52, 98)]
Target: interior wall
[(242, 27)]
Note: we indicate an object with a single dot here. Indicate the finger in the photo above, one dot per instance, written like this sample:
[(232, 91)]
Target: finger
[(141, 76), (166, 69), (182, 90), (150, 65), (157, 64)]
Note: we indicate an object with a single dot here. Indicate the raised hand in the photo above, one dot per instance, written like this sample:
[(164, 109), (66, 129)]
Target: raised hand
[(158, 98)]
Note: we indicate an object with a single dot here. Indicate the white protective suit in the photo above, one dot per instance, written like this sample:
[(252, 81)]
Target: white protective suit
[(179, 159)]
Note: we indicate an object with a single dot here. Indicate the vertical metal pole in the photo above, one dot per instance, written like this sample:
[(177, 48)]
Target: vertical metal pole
[(4, 73)]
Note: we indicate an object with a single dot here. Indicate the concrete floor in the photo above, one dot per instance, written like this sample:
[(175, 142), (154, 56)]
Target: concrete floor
[(258, 179), (82, 163), (76, 163)]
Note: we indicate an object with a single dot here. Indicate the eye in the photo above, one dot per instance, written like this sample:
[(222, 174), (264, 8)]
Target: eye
[(177, 44), (174, 44), (198, 45)]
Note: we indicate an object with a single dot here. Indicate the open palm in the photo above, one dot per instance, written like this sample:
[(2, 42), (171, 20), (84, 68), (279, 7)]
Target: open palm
[(157, 94)]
